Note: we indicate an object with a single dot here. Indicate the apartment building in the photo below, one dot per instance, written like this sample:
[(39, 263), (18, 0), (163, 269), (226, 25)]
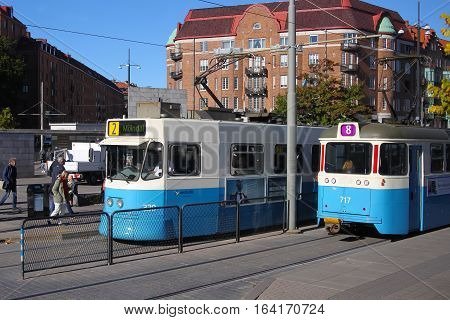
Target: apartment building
[(73, 92), (326, 29)]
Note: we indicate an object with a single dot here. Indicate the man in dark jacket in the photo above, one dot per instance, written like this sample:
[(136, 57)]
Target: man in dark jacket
[(10, 183), (56, 168)]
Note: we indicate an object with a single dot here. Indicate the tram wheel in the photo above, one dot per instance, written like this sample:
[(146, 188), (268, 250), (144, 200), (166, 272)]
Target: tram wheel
[(333, 229)]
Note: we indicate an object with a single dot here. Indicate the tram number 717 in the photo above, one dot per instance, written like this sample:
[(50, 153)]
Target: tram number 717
[(345, 200)]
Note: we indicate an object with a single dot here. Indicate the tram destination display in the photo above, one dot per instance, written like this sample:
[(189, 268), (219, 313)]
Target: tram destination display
[(126, 128)]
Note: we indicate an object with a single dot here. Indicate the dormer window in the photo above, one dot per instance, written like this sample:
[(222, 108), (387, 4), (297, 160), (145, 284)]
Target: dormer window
[(257, 26)]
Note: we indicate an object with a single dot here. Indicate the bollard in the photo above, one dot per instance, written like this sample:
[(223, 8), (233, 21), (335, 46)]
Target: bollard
[(180, 229), (238, 221), (22, 252), (110, 239)]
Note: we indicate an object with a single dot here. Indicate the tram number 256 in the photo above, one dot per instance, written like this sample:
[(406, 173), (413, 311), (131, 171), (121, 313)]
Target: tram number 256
[(345, 200)]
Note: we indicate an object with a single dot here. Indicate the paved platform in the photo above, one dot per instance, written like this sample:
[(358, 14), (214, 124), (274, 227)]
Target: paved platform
[(312, 265), (11, 221)]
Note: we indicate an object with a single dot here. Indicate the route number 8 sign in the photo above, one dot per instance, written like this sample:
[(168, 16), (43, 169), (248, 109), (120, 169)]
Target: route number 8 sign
[(348, 130)]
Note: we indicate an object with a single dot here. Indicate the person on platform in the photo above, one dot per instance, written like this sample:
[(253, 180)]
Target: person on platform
[(59, 195), (10, 183), (55, 169)]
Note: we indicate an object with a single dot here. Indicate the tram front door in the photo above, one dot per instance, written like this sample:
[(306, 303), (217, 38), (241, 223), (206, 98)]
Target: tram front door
[(415, 176)]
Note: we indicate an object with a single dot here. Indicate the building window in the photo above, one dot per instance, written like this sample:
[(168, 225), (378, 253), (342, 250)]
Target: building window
[(201, 86), (204, 46), (225, 102), (236, 103), (256, 43), (274, 82), (283, 41), (25, 88), (184, 159), (384, 106), (313, 58), (203, 102), (225, 83), (247, 159), (372, 62), (385, 66), (372, 101), (385, 43), (350, 38), (437, 158), (228, 44), (372, 82), (236, 83), (204, 65), (257, 26), (283, 60), (226, 65), (283, 82), (407, 104), (257, 62), (236, 65), (385, 83), (373, 43), (313, 38)]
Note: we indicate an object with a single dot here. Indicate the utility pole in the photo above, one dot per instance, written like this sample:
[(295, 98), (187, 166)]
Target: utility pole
[(42, 115), (129, 65), (419, 104), (291, 190)]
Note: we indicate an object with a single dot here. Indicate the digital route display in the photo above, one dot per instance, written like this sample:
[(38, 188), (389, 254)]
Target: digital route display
[(126, 128)]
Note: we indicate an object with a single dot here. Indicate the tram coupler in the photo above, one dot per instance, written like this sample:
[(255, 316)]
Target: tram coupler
[(332, 225)]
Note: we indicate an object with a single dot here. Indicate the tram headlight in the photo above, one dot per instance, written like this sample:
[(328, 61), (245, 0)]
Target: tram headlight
[(109, 202), (333, 181), (327, 180), (358, 182), (366, 183), (120, 203)]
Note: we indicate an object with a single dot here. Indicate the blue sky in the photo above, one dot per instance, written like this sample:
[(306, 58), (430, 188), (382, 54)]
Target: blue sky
[(145, 20)]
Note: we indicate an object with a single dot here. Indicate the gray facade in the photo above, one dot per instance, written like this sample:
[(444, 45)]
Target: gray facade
[(144, 96), (21, 147)]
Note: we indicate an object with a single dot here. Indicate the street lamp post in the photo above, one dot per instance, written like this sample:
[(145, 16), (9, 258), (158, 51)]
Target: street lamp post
[(128, 66)]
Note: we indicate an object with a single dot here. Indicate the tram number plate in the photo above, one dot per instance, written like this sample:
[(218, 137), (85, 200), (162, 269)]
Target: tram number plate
[(113, 129), (348, 130), (345, 200)]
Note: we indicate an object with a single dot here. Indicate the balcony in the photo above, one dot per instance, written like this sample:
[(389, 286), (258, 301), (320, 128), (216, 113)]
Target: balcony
[(176, 75), (256, 72), (349, 67), (349, 46), (226, 51), (176, 55), (256, 92)]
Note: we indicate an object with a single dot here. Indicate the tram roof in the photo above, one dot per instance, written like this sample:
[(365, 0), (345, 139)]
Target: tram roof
[(374, 131)]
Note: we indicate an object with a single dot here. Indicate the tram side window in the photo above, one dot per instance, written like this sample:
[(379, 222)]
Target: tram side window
[(348, 158), (184, 159), (247, 159), (315, 158), (280, 158), (448, 157), (437, 158), (153, 164), (393, 159)]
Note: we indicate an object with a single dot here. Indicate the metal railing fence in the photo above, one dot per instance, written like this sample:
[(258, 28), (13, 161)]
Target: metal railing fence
[(88, 238)]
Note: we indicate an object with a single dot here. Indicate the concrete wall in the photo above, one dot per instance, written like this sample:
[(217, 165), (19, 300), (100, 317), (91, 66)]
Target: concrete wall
[(21, 147), (143, 95)]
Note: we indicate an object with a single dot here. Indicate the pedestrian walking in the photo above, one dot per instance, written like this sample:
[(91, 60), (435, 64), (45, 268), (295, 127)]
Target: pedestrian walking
[(10, 183), (43, 158), (68, 192), (59, 195), (55, 170)]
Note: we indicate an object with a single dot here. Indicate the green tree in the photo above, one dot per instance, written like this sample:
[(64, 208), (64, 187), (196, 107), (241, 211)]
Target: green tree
[(442, 93), (6, 119), (11, 72), (323, 100)]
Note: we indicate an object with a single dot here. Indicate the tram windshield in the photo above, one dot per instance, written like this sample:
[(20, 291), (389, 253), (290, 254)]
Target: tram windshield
[(153, 164), (348, 158), (125, 162)]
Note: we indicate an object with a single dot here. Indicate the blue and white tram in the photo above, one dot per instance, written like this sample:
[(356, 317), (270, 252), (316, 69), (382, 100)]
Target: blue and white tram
[(153, 163), (395, 178)]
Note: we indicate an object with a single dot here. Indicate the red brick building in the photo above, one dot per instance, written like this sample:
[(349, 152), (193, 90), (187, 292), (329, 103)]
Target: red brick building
[(71, 89), (261, 29)]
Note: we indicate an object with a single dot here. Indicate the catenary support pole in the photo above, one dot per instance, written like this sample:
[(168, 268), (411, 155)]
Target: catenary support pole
[(292, 120), (419, 105), (42, 114)]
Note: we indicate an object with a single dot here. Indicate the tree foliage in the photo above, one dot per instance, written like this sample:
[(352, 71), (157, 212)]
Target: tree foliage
[(6, 119), (442, 93), (446, 31), (323, 100), (11, 72)]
